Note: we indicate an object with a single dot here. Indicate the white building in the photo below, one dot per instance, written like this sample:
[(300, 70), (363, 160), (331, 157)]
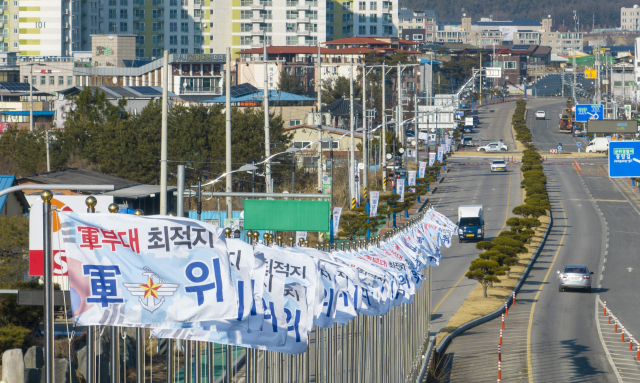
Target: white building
[(630, 18)]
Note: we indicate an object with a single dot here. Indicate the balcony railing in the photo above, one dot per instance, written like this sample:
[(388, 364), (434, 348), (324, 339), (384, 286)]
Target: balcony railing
[(304, 20), (258, 19), (301, 32), (257, 6), (217, 90)]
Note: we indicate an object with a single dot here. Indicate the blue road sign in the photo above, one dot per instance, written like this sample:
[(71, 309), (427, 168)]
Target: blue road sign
[(559, 147), (624, 159), (586, 112), (579, 144), (460, 114)]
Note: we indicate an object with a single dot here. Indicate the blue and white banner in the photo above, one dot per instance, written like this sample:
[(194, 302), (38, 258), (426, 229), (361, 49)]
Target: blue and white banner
[(411, 178), (375, 200), (337, 210), (421, 168), (432, 159), (400, 190)]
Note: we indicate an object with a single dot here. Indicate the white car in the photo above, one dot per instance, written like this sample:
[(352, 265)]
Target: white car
[(540, 115), (493, 147), (498, 166)]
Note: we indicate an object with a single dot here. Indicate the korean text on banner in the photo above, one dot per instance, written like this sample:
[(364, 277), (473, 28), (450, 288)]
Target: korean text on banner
[(62, 203), (421, 168), (336, 219), (137, 271), (440, 152), (375, 200), (400, 191), (432, 159), (411, 178)]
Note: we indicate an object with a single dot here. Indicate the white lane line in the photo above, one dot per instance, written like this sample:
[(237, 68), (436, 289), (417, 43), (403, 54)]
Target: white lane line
[(604, 345), (603, 269)]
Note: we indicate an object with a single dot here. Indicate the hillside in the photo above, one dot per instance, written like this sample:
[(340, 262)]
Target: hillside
[(605, 13)]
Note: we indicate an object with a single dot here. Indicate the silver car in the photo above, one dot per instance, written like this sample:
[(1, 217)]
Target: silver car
[(498, 166), (574, 277)]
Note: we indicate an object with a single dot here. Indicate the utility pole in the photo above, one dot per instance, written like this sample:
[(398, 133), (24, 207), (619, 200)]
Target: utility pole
[(365, 126), (163, 144), (352, 154), (415, 126), (228, 132), (31, 97), (597, 72), (320, 122), (480, 77), (265, 105), (399, 123), (383, 144)]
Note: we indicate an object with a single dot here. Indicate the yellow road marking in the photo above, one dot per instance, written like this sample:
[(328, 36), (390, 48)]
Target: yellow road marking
[(535, 299), (460, 280)]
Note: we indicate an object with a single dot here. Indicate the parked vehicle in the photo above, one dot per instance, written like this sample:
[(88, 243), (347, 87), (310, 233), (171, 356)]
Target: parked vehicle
[(470, 222), (598, 145), (498, 166), (468, 129), (565, 125), (493, 147), (574, 277), (540, 115), (471, 121)]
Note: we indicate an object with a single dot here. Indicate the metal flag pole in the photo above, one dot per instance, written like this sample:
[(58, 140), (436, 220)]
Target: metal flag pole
[(352, 158), (91, 204), (228, 132), (164, 135), (383, 144), (47, 196)]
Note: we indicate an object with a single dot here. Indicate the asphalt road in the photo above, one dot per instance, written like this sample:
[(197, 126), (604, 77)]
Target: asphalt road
[(494, 124), (470, 184), (545, 132)]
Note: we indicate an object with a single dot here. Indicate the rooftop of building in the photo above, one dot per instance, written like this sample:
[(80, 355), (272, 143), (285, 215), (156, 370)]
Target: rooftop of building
[(116, 92), (75, 176)]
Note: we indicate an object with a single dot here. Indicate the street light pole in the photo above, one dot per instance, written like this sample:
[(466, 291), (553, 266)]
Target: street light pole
[(265, 104), (164, 135), (383, 144), (228, 132), (352, 151)]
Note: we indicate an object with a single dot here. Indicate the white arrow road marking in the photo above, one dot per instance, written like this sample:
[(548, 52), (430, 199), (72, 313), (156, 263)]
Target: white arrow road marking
[(629, 268), (636, 160)]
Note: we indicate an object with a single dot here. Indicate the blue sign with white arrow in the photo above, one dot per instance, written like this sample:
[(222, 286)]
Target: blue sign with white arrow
[(624, 159), (585, 112)]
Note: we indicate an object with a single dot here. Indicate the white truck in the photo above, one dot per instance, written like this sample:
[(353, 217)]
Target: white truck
[(470, 222), (598, 145)]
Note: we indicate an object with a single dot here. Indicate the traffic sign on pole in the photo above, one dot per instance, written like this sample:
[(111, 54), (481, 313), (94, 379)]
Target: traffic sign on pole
[(624, 159), (586, 112), (579, 144)]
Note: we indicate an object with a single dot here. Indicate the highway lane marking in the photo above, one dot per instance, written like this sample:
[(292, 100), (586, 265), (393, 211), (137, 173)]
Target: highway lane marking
[(461, 278), (535, 299)]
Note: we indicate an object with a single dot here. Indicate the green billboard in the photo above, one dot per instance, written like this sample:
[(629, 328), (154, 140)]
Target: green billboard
[(281, 215)]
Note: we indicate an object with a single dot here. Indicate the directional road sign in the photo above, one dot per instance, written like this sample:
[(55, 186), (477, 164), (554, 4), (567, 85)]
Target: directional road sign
[(624, 159), (559, 147), (579, 144), (585, 112), (459, 113)]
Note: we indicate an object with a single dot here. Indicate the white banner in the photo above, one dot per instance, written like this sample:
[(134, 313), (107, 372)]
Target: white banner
[(336, 219), (440, 153), (373, 207), (411, 178), (400, 190), (421, 168), (432, 159)]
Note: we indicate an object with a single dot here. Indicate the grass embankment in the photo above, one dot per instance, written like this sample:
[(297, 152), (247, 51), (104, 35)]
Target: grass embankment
[(506, 256)]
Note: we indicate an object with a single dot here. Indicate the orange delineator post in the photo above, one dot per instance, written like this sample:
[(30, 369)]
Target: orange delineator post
[(500, 337), (605, 308), (502, 323), (514, 299), (506, 309), (499, 371)]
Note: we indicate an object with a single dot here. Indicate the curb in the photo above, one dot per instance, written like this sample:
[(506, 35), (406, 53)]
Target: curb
[(427, 360), (442, 347)]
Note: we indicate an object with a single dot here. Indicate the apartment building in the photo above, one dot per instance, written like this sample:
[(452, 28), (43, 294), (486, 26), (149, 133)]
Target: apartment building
[(487, 32), (630, 18), (361, 18), (416, 20)]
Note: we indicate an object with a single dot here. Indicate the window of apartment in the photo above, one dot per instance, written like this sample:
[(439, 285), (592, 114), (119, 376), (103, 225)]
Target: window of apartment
[(140, 39), (330, 18), (387, 30), (346, 4), (184, 14), (347, 30), (198, 51), (295, 123), (430, 28), (292, 15), (292, 3), (25, 79), (124, 14), (419, 21), (373, 6), (418, 37), (173, 27), (197, 39), (312, 15), (362, 18), (52, 80), (197, 27), (268, 15), (246, 15), (156, 27), (330, 6), (362, 6), (34, 80), (113, 3), (113, 14), (113, 26), (347, 18), (140, 3), (373, 18), (173, 3), (246, 40), (184, 40), (123, 27), (69, 80), (246, 3), (139, 52), (330, 30), (15, 30), (292, 40), (291, 27), (510, 65), (123, 3), (43, 80), (185, 3), (60, 80), (156, 13), (184, 50), (157, 39), (174, 50), (299, 144), (173, 40), (247, 27), (197, 13), (140, 27), (184, 27), (139, 13), (156, 52), (362, 30), (173, 14)]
